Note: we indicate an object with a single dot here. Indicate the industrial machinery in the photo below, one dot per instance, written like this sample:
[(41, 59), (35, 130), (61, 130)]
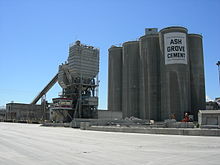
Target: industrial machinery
[(78, 78)]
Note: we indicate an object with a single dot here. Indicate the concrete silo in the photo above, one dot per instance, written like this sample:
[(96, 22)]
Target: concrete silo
[(130, 79), (197, 77), (115, 79), (83, 61), (149, 77), (175, 72)]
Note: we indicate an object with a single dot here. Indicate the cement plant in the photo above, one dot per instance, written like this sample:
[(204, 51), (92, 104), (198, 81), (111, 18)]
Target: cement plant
[(156, 85), (155, 81)]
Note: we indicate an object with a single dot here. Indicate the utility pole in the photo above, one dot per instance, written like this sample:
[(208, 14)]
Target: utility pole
[(218, 64)]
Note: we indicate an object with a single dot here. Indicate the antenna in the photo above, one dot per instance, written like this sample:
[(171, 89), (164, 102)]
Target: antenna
[(218, 64)]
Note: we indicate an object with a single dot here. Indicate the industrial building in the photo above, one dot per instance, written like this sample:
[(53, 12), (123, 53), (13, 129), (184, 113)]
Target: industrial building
[(26, 112), (158, 77), (78, 78)]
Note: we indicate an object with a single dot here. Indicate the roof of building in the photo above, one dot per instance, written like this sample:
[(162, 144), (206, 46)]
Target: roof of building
[(209, 111)]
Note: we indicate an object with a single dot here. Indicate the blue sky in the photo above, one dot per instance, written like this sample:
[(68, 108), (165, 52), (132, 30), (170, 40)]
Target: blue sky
[(35, 36)]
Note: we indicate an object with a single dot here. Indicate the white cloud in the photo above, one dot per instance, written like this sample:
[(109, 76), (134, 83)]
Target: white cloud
[(208, 99)]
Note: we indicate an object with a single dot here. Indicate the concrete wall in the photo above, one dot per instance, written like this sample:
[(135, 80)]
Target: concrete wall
[(209, 118), (166, 131), (109, 115)]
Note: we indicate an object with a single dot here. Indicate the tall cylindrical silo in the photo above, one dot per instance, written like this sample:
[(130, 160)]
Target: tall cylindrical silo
[(149, 77), (130, 79), (175, 73), (115, 79), (197, 77)]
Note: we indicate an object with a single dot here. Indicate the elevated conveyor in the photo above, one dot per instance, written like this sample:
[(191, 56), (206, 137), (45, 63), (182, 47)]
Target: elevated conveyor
[(46, 89)]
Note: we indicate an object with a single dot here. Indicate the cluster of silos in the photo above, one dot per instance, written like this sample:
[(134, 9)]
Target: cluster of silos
[(159, 76)]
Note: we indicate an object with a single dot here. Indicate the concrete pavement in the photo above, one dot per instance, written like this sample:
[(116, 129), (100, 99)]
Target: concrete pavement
[(32, 144)]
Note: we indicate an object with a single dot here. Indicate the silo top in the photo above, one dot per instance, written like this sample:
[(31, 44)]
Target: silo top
[(195, 35), (174, 28), (130, 42), (149, 36), (114, 47)]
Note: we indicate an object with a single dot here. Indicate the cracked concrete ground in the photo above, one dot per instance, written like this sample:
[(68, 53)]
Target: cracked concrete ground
[(32, 144)]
